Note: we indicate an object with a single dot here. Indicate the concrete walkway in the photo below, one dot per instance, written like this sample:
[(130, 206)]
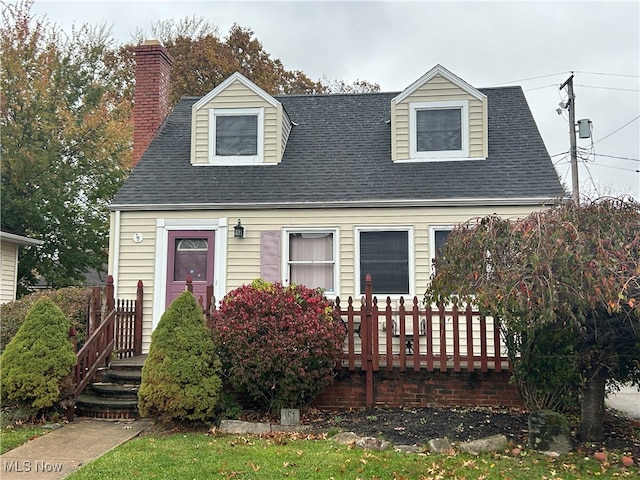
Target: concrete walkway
[(58, 453)]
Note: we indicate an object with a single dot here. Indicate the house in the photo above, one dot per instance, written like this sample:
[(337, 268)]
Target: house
[(9, 247), (314, 189)]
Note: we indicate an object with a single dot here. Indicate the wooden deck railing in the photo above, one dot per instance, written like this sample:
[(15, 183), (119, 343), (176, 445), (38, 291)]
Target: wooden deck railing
[(119, 333), (409, 335), (95, 353), (420, 338)]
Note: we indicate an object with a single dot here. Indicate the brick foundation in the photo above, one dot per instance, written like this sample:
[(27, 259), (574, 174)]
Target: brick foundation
[(420, 389)]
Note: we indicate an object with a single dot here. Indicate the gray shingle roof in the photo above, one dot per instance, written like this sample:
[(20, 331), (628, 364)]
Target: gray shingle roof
[(340, 152)]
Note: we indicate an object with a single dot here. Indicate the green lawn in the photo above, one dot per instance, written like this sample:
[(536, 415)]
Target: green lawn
[(205, 456), (202, 456), (12, 436)]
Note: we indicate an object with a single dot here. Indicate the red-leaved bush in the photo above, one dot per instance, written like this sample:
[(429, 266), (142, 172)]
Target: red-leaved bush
[(278, 344)]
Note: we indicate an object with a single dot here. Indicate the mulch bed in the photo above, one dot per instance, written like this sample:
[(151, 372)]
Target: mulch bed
[(410, 426)]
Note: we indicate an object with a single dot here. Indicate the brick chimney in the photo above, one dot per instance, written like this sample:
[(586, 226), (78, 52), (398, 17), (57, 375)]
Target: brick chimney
[(151, 104)]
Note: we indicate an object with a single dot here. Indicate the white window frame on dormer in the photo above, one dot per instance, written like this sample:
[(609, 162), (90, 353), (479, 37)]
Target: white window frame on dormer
[(223, 160), (463, 107)]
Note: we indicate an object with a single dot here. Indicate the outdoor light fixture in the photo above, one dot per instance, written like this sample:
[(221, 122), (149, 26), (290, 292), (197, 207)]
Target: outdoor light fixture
[(238, 230)]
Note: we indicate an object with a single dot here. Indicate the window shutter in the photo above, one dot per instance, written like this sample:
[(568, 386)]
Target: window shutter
[(270, 256)]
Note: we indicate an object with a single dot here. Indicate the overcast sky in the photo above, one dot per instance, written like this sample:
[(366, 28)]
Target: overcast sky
[(533, 44)]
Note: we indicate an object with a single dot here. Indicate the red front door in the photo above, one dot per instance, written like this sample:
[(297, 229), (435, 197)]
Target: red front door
[(190, 253)]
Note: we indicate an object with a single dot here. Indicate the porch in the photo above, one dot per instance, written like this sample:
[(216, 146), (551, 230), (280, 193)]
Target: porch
[(395, 353)]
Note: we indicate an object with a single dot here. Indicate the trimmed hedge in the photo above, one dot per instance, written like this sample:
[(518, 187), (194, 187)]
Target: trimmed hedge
[(180, 378), (73, 301), (36, 364)]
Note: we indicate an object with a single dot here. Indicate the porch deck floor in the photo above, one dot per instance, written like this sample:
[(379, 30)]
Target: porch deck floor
[(137, 361)]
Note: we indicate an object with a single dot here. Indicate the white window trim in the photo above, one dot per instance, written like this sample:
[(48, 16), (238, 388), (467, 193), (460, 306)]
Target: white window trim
[(336, 254), (227, 160), (412, 257), (432, 241), (463, 106)]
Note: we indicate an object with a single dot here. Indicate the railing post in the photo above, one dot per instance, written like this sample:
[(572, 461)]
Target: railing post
[(367, 337), (389, 333), (137, 320), (109, 294), (496, 346), (74, 339), (111, 304), (337, 312), (208, 303), (351, 335), (443, 338), (189, 283), (94, 311), (471, 361), (417, 327)]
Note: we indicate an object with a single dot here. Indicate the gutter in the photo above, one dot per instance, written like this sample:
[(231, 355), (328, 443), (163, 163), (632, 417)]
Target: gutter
[(116, 252), (20, 239), (471, 202)]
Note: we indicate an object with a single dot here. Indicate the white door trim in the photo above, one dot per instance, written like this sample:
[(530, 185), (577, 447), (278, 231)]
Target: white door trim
[(163, 226)]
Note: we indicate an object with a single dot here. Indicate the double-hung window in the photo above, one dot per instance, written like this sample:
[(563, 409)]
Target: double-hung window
[(438, 237), (236, 135), (385, 254), (439, 129), (311, 258)]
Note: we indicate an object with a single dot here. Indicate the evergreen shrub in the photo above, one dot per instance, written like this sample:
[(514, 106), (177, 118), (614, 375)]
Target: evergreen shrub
[(278, 344), (73, 301), (181, 376), (36, 364)]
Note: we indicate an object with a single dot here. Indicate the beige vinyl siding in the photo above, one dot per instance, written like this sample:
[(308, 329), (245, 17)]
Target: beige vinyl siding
[(137, 262), (237, 95), (9, 271), (439, 89), (243, 265)]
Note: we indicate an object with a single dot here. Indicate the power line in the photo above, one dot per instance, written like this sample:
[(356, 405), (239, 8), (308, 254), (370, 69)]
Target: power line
[(562, 73), (611, 74), (585, 161), (562, 160), (606, 88), (540, 88), (530, 78), (595, 187), (619, 158), (619, 168), (618, 129)]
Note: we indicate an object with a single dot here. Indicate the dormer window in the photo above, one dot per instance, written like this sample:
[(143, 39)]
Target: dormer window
[(439, 129), (236, 136)]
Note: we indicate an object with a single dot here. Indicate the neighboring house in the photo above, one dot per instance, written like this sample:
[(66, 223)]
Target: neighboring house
[(327, 188), (92, 278), (9, 248)]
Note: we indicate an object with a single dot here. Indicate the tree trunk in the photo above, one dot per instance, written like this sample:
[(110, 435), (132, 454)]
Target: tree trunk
[(592, 420)]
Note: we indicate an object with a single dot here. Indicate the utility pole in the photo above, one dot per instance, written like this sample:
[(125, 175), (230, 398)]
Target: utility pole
[(572, 137)]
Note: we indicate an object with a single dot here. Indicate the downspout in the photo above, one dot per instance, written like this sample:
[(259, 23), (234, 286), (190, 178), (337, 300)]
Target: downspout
[(116, 252)]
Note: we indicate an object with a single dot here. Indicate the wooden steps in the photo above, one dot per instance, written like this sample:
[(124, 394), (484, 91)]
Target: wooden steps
[(113, 395)]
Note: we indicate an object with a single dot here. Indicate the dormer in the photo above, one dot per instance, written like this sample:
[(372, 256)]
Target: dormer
[(238, 123), (439, 117)]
